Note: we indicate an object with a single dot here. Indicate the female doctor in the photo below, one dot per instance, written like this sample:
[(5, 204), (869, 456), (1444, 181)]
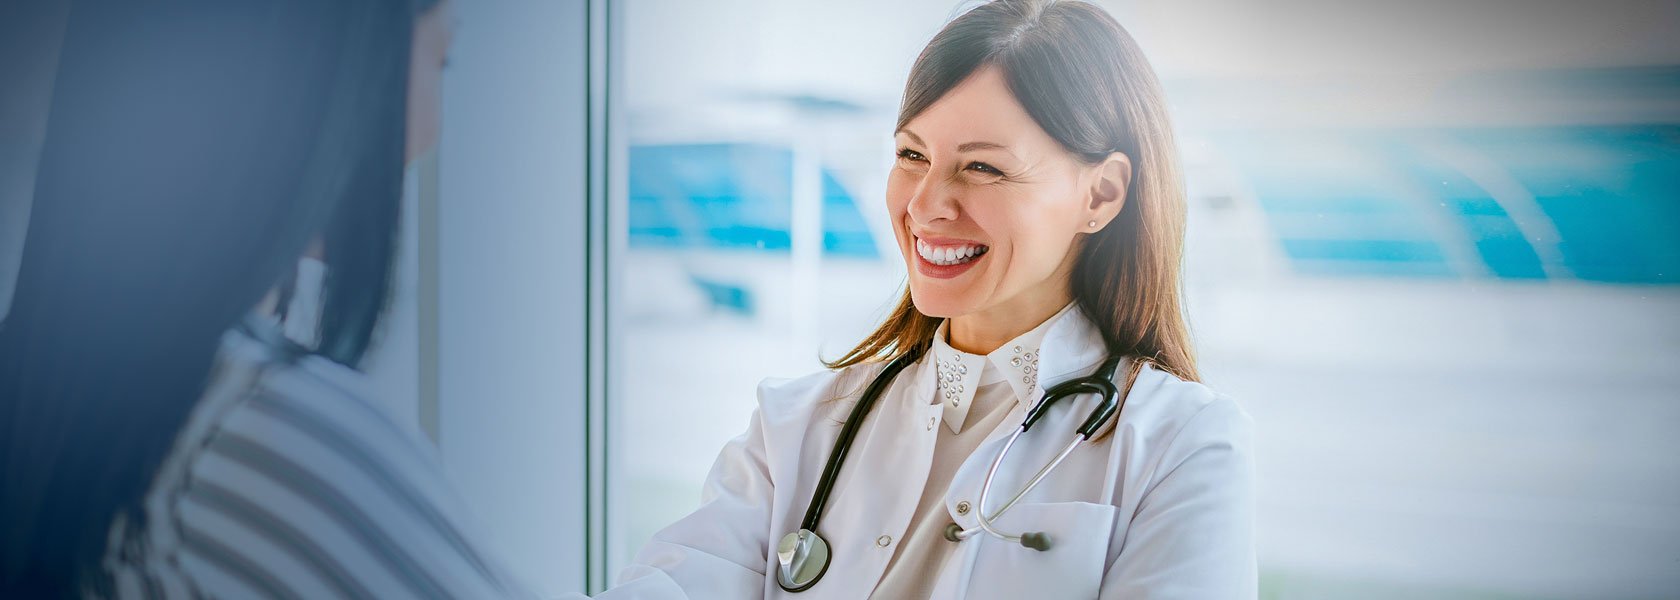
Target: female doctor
[(1037, 202)]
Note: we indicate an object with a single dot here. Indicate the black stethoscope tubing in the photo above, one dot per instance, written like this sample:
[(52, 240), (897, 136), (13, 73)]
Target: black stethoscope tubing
[(843, 445)]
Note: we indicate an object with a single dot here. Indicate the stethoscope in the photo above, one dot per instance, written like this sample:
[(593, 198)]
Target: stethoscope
[(804, 556)]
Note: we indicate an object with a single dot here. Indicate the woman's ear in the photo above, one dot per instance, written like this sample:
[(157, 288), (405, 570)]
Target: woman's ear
[(1113, 177)]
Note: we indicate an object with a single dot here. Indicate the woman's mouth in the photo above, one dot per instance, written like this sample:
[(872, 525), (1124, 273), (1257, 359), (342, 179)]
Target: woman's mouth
[(944, 261)]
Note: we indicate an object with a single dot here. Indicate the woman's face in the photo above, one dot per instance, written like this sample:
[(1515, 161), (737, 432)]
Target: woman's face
[(988, 208)]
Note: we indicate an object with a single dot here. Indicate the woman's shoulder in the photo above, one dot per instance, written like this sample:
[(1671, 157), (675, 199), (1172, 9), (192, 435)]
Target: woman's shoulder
[(331, 392), (797, 398), (290, 473), (261, 377), (325, 419), (1182, 412)]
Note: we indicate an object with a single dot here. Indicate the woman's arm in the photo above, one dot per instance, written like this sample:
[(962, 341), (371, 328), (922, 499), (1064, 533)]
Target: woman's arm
[(1193, 534), (719, 550)]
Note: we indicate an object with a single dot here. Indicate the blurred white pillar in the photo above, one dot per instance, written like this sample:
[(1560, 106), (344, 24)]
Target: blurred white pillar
[(807, 241)]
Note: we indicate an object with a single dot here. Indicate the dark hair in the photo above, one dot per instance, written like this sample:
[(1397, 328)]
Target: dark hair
[(1086, 83), (194, 149)]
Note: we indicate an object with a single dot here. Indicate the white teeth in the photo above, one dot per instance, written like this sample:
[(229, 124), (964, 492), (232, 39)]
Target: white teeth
[(948, 255)]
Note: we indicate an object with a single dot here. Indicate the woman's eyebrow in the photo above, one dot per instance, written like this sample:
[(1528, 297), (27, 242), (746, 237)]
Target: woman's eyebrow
[(964, 147), (913, 137), (970, 146)]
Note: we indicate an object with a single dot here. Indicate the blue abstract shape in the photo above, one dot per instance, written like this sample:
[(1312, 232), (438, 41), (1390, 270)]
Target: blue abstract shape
[(732, 195)]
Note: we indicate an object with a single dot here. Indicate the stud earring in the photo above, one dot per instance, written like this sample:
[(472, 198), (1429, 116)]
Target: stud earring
[(1092, 224)]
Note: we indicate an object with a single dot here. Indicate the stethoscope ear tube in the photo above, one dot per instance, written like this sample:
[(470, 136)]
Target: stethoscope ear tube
[(1102, 384), (1109, 393)]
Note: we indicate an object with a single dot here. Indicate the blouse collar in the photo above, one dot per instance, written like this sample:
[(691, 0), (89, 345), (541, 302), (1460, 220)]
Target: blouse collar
[(958, 374)]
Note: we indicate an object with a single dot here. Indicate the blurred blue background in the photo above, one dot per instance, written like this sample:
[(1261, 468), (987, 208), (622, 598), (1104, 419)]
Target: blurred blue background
[(1432, 248)]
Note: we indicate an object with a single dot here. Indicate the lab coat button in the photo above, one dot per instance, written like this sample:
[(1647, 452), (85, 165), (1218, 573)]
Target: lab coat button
[(962, 507), (931, 421), (883, 541)]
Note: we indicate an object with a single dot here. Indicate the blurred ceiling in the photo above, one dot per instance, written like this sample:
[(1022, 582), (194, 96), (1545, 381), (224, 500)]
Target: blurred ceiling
[(676, 51)]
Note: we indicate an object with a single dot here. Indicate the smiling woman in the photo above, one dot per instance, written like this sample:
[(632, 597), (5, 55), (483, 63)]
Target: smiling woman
[(1037, 203), (1041, 129)]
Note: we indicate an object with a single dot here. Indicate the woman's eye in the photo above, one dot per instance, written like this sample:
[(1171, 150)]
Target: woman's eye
[(984, 168), (908, 154)]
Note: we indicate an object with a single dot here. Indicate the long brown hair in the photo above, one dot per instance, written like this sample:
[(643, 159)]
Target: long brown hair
[(1086, 83)]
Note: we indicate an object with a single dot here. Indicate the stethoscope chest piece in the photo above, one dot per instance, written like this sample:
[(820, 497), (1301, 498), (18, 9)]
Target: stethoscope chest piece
[(803, 558)]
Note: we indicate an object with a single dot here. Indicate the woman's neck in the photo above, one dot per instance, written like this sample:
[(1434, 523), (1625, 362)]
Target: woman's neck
[(983, 331)]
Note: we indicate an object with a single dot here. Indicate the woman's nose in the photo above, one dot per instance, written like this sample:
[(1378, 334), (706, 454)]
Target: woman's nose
[(933, 200)]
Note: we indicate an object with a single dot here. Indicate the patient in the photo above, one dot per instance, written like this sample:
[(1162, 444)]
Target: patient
[(159, 435)]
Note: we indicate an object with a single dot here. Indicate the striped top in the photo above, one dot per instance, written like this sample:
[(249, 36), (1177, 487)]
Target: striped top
[(288, 482)]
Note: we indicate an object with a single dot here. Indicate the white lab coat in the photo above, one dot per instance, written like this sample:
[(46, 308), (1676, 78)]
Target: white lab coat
[(1161, 510)]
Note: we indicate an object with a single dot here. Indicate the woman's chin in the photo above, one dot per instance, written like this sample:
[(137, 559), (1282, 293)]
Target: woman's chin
[(941, 304)]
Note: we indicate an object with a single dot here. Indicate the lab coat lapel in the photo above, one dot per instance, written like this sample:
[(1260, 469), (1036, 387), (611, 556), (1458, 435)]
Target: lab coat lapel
[(894, 451)]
